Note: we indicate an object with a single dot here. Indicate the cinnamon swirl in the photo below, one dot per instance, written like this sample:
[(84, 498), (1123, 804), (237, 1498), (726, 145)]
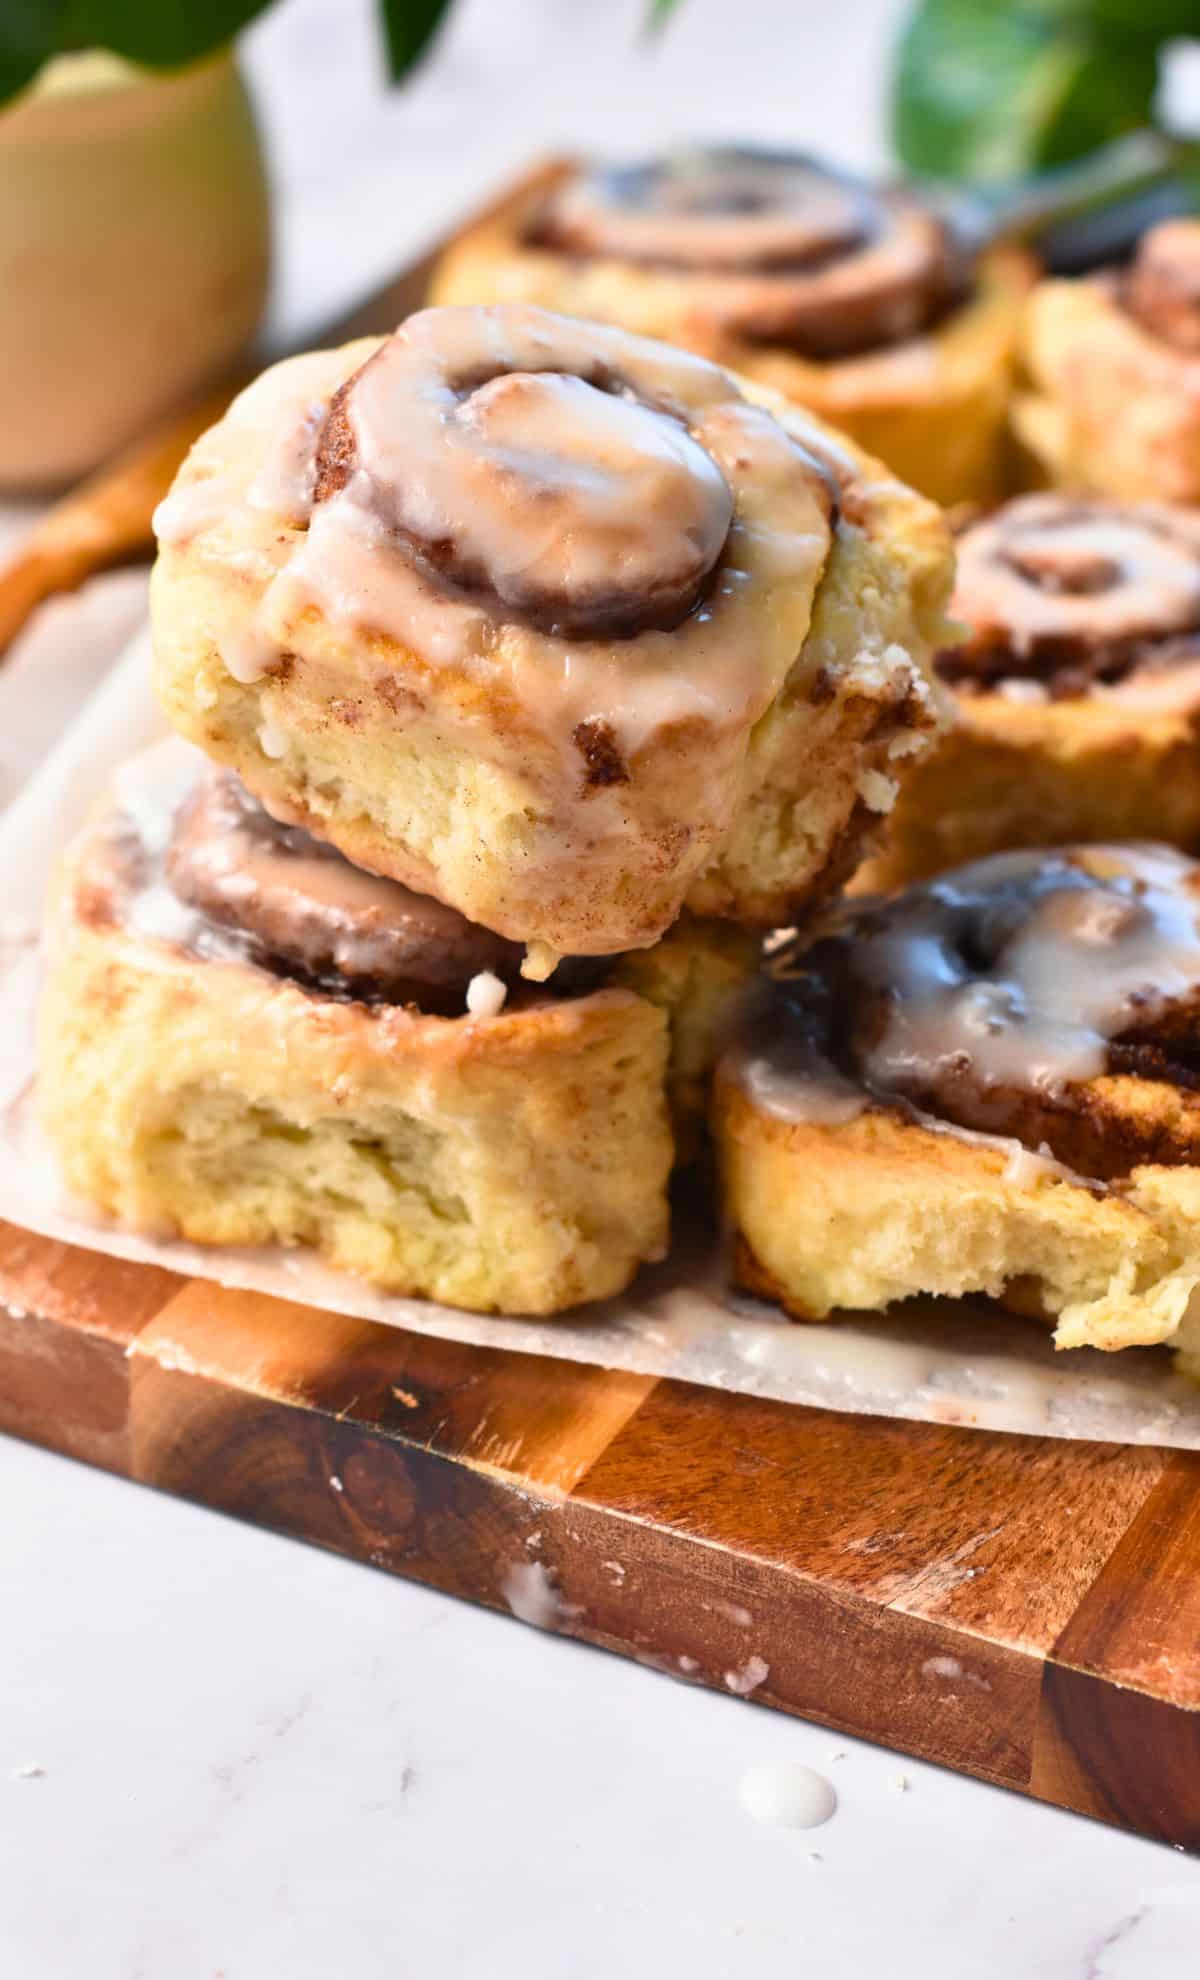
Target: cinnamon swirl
[(1076, 683), (852, 299), (552, 623), (991, 1084), (245, 1040), (1113, 361)]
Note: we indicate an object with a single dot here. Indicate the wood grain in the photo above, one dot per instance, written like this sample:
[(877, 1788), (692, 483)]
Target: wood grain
[(1023, 1610)]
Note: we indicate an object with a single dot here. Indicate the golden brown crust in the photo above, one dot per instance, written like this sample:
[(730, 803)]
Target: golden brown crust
[(1077, 689), (514, 1163), (509, 1159), (991, 1080), (868, 1213), (1111, 405), (1011, 774)]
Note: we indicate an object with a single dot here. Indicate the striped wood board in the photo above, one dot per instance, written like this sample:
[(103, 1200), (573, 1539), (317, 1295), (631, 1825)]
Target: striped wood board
[(1025, 1610)]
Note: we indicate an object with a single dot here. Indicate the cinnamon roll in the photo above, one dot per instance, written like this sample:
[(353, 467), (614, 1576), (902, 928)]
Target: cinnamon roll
[(1113, 361), (245, 1040), (552, 623), (1076, 679), (986, 1084), (855, 300)]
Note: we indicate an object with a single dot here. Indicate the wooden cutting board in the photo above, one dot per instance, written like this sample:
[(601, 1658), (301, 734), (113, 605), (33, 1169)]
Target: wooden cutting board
[(1026, 1610)]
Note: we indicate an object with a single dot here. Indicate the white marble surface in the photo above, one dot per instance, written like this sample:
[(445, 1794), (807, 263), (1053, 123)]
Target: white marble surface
[(262, 1762)]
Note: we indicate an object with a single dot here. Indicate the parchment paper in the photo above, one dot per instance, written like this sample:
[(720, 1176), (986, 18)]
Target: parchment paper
[(943, 1361)]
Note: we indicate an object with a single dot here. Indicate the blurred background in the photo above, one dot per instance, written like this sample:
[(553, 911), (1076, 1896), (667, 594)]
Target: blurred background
[(361, 173)]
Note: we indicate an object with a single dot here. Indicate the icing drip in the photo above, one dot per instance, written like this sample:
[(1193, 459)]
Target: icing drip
[(1067, 592), (442, 517), (778, 246)]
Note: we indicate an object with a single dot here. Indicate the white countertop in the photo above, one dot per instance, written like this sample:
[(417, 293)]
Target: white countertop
[(262, 1763)]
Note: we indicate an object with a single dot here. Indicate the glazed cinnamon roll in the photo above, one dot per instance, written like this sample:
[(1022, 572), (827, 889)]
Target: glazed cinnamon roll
[(855, 300), (552, 623), (1113, 363), (987, 1084), (1076, 680), (245, 1040)]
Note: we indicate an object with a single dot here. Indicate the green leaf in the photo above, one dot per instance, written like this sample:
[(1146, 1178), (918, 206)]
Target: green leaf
[(659, 13), (162, 34), (28, 37), (1107, 20), (409, 27), (985, 92)]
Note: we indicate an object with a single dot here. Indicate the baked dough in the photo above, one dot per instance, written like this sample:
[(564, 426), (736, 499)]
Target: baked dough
[(361, 573), (1076, 679), (985, 1085), (854, 301), (1112, 402), (225, 1055)]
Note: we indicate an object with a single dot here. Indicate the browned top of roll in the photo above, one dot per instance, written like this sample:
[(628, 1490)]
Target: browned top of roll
[(1162, 288), (781, 248), (1071, 591), (300, 904), (996, 996), (186, 856)]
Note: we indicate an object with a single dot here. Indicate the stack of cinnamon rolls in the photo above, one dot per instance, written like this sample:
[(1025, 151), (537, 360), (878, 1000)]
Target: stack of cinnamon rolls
[(586, 759)]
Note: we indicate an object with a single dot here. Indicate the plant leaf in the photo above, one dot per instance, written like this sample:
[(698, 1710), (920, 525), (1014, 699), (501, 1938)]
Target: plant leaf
[(659, 13), (1107, 20), (985, 92), (29, 31), (160, 33), (409, 27)]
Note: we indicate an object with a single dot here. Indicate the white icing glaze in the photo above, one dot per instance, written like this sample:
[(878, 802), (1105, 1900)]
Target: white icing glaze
[(1054, 568), (1108, 933), (791, 1079), (249, 891), (723, 665), (788, 1795), (486, 994), (544, 482), (1013, 973)]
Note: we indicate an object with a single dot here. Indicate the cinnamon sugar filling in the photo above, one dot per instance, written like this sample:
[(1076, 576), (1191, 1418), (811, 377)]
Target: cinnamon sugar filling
[(1013, 998), (1073, 593), (189, 858), (786, 249)]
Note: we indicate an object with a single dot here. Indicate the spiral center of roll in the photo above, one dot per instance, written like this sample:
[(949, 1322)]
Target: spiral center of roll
[(992, 991), (1053, 584), (1015, 972), (556, 492), (298, 904), (728, 208), (772, 245), (1071, 569)]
